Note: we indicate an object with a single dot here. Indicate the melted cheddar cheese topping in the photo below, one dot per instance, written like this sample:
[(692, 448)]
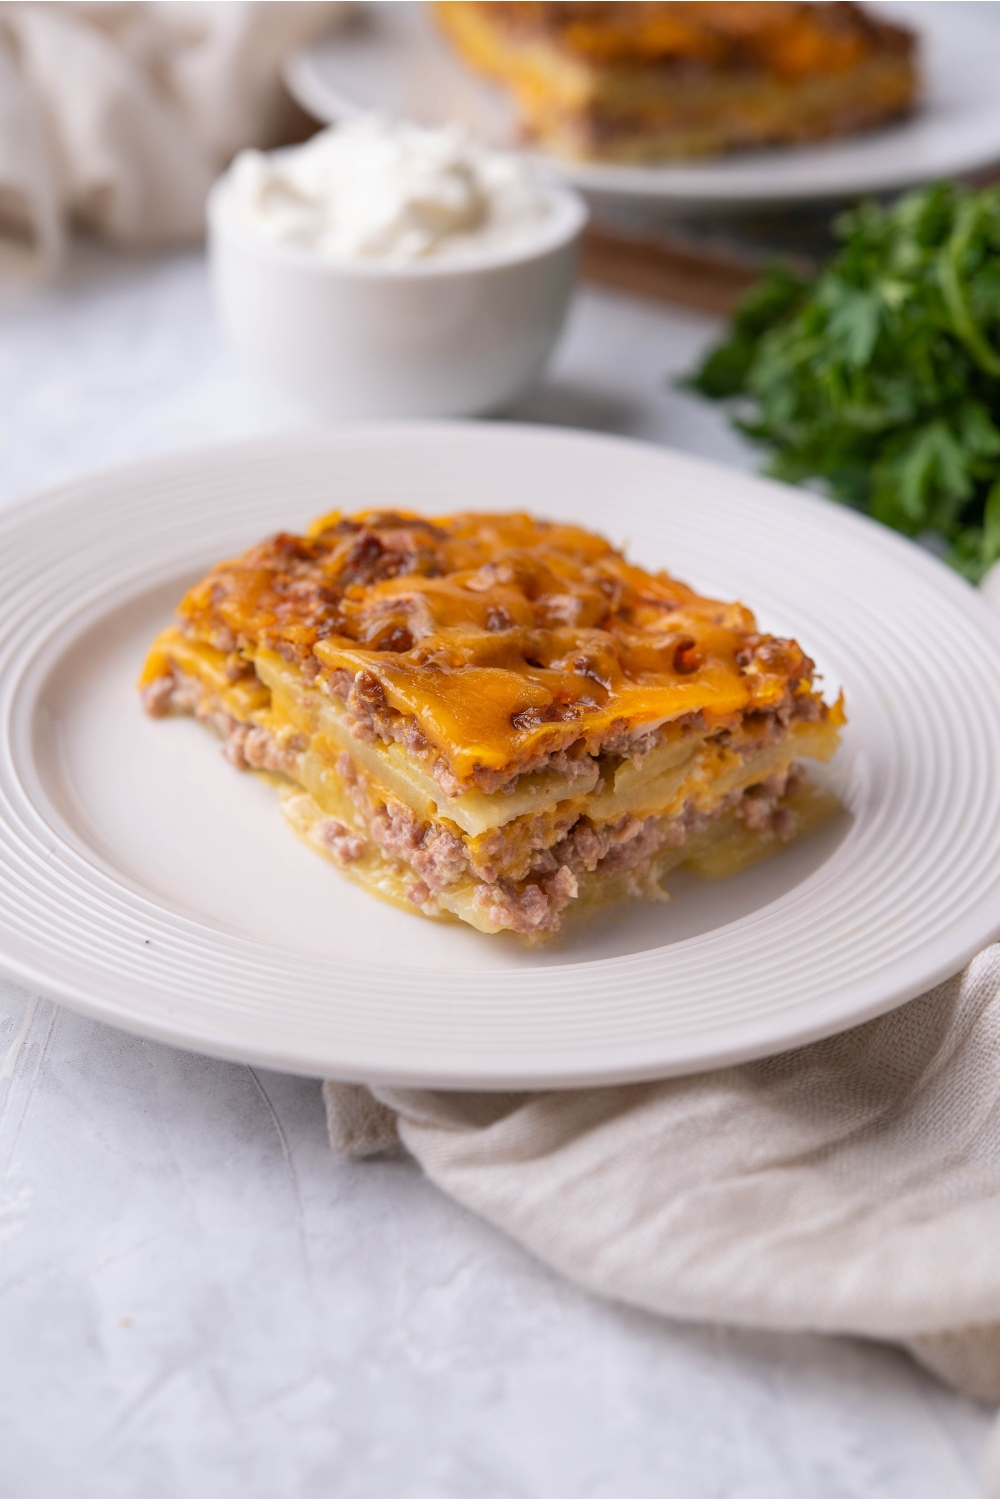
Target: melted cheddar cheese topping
[(500, 638), (788, 38)]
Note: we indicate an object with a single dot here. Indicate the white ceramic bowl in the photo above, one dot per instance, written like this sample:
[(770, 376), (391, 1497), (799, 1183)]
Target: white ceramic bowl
[(435, 338)]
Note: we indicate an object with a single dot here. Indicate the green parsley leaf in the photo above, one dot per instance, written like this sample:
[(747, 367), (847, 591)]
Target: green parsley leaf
[(879, 380)]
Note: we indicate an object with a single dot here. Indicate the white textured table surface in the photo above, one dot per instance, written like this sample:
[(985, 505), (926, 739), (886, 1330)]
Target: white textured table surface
[(196, 1297)]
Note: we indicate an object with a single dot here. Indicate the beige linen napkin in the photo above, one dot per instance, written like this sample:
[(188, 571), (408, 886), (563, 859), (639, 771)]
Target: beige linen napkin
[(851, 1186), (118, 116)]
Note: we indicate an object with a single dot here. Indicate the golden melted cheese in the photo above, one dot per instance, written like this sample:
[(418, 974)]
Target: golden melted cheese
[(501, 638), (787, 38)]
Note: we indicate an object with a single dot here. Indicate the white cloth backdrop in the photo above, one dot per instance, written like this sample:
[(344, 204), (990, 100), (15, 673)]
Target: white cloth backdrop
[(851, 1186), (117, 117)]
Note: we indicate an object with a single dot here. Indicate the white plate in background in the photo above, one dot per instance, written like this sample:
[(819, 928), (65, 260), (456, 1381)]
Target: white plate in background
[(147, 883), (390, 58)]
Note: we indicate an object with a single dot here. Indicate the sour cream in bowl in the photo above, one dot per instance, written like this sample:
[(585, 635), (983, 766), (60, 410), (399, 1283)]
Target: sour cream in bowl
[(386, 269)]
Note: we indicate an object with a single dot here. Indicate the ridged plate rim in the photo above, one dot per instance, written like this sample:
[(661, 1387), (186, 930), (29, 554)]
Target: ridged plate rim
[(848, 944)]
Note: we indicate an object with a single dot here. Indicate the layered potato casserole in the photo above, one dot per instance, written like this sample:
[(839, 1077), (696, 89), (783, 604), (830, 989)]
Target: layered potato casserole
[(497, 718), (627, 82)]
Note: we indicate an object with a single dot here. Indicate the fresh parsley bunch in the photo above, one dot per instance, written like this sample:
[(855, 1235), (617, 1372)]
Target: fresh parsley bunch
[(880, 378)]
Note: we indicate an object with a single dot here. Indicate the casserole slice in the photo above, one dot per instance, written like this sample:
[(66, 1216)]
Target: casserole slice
[(496, 718), (633, 82)]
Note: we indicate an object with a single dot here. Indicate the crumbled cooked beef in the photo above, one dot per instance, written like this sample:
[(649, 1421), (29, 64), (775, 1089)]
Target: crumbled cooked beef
[(392, 550), (562, 888), (179, 693), (158, 696), (441, 859), (367, 695), (638, 842), (247, 746), (759, 808), (617, 846), (432, 852), (363, 731), (251, 748), (341, 842), (233, 748), (533, 908), (543, 862), (758, 803), (809, 709)]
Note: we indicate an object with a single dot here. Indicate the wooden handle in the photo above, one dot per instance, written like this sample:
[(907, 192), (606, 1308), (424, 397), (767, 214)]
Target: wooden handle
[(656, 269)]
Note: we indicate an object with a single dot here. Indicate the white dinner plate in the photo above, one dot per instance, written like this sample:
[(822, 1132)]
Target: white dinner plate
[(146, 882), (390, 58)]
